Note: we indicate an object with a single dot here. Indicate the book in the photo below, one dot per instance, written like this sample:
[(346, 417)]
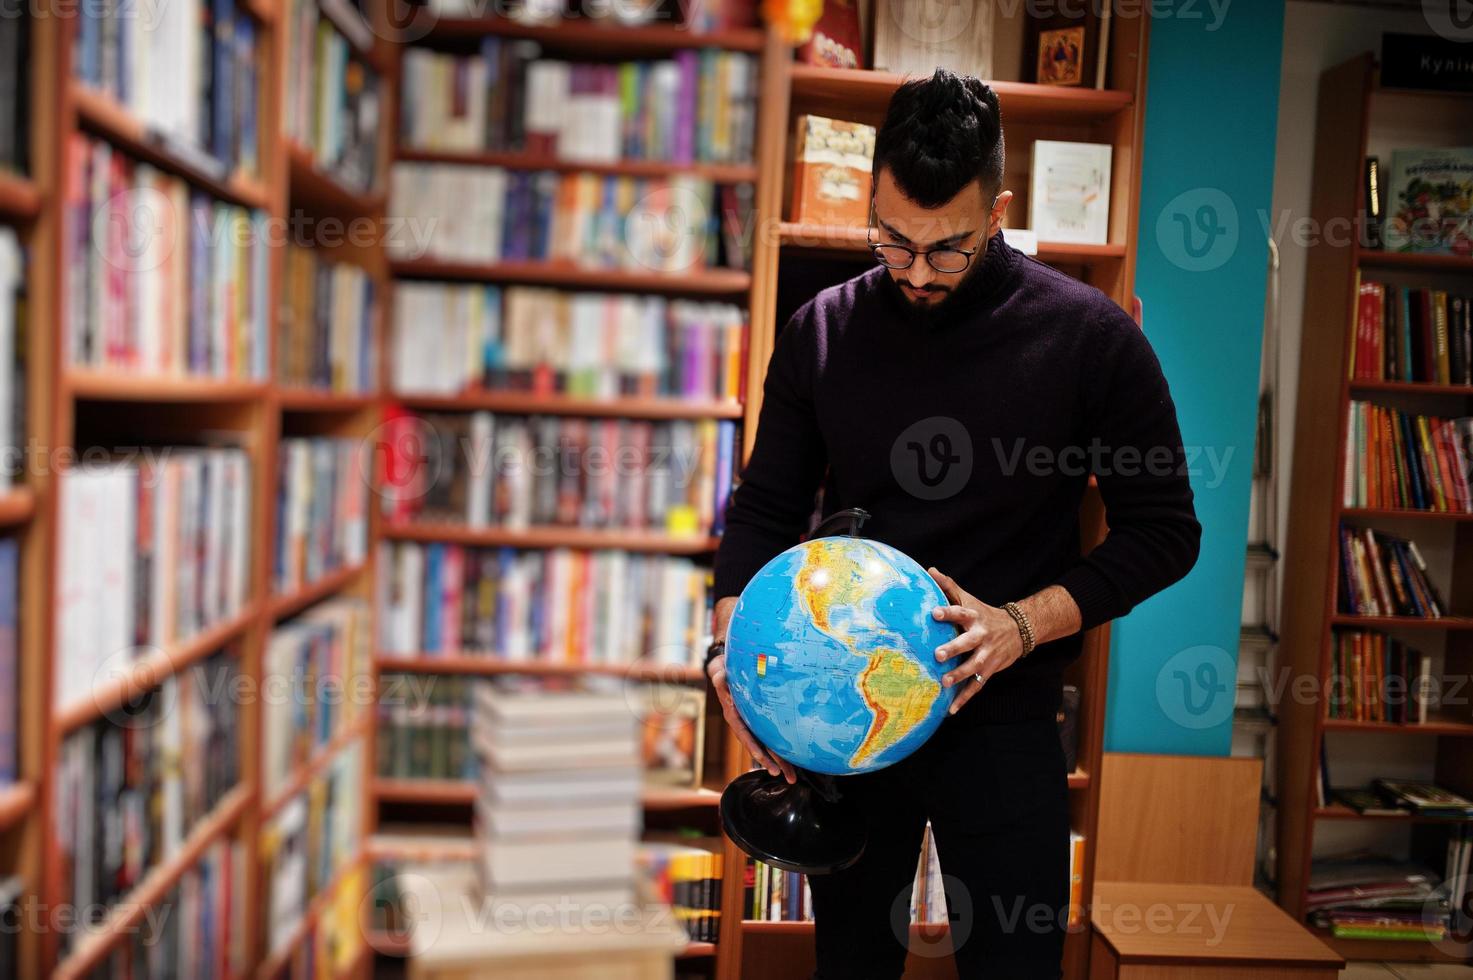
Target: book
[(10, 677), (189, 75), (1400, 461), (1367, 802), (322, 506), (698, 105), (1425, 798), (1384, 576), (911, 40), (153, 549), (1427, 201), (424, 728), (832, 160), (1069, 192), (687, 877), (125, 802), (1068, 47), (836, 38), (524, 605), (327, 338), (333, 105), (161, 279), (315, 673), (487, 469)]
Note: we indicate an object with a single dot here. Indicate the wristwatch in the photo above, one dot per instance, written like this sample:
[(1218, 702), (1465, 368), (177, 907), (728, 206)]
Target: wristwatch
[(716, 649)]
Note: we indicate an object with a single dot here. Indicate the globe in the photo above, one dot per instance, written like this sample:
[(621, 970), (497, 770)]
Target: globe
[(830, 655)]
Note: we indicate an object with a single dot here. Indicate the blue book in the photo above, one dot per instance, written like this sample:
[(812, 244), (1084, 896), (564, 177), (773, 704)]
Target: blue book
[(223, 90), (434, 557), (9, 658)]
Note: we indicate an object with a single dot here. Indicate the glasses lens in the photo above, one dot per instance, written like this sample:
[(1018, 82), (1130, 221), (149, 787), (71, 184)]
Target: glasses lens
[(894, 256), (948, 259)]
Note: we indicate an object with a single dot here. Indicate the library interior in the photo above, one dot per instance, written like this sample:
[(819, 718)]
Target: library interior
[(925, 488)]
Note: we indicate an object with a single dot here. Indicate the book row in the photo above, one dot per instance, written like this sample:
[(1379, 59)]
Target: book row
[(424, 727), (1407, 333), (204, 932), (451, 338), (161, 278), (190, 75), (13, 347), (333, 101), (688, 879), (153, 550), (1384, 575), (328, 325), (321, 509), (308, 842), (316, 684), (1400, 460), (125, 799), (1374, 677), (559, 605), (698, 105), (482, 469), (1379, 898), (484, 215)]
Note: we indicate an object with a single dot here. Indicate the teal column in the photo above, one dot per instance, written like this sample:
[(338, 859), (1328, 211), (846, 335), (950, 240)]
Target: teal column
[(1206, 190)]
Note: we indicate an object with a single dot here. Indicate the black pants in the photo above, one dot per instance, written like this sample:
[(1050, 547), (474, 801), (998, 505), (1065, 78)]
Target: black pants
[(998, 800)]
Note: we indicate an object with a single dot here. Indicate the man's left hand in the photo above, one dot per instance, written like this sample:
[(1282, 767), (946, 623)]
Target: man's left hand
[(989, 639)]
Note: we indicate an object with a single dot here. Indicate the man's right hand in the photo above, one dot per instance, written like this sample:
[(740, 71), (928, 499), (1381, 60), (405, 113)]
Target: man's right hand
[(767, 760)]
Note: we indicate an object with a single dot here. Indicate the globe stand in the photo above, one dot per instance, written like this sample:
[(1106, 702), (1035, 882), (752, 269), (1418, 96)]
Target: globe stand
[(799, 826)]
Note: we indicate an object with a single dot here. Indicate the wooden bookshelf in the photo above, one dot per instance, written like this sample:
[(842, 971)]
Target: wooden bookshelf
[(519, 403), (16, 801), (694, 282), (551, 537), (720, 173), (20, 198), (1355, 120), (490, 666), (588, 37)]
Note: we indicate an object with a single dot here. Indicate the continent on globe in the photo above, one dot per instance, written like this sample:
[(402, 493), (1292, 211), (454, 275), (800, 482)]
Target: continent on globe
[(830, 655)]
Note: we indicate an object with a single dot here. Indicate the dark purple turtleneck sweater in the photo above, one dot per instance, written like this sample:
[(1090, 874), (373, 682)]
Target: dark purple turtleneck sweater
[(970, 440)]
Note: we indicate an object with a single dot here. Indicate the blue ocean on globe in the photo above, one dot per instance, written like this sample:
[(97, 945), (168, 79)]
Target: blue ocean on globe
[(830, 655)]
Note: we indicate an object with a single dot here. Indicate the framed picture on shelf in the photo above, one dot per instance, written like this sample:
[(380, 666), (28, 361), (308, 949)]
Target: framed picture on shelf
[(1069, 48), (672, 735)]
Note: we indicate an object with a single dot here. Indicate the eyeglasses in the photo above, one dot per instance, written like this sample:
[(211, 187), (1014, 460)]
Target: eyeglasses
[(951, 260)]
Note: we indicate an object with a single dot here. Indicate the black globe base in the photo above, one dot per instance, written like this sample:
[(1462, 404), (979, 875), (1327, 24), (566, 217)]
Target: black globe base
[(799, 826)]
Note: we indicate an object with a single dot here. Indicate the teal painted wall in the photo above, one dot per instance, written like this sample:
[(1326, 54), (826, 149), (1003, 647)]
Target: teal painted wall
[(1206, 184)]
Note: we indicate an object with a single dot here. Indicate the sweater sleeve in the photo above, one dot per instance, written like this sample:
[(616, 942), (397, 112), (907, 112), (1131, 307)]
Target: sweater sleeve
[(769, 511), (1134, 445)]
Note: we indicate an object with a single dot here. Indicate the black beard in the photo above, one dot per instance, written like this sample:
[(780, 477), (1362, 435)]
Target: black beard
[(957, 302)]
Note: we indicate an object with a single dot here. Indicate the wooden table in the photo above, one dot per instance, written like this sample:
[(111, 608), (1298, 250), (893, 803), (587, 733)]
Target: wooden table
[(1144, 931), (456, 937)]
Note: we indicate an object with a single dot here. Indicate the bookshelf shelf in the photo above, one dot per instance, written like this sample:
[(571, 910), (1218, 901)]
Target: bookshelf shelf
[(282, 606), (668, 798), (17, 506), (703, 282), (1419, 261), (1339, 811), (550, 537), (322, 190), (313, 767), (525, 403), (1445, 726), (1454, 623), (694, 950), (153, 889), (16, 801), (148, 672), (20, 198), (102, 385), (1387, 949), (832, 238), (862, 95), (720, 173), (1400, 513), (610, 40), (447, 792), (490, 666), (420, 849), (1410, 388), (294, 399), (102, 115)]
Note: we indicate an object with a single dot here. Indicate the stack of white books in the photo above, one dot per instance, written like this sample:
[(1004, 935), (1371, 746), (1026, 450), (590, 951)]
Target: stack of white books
[(558, 812)]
